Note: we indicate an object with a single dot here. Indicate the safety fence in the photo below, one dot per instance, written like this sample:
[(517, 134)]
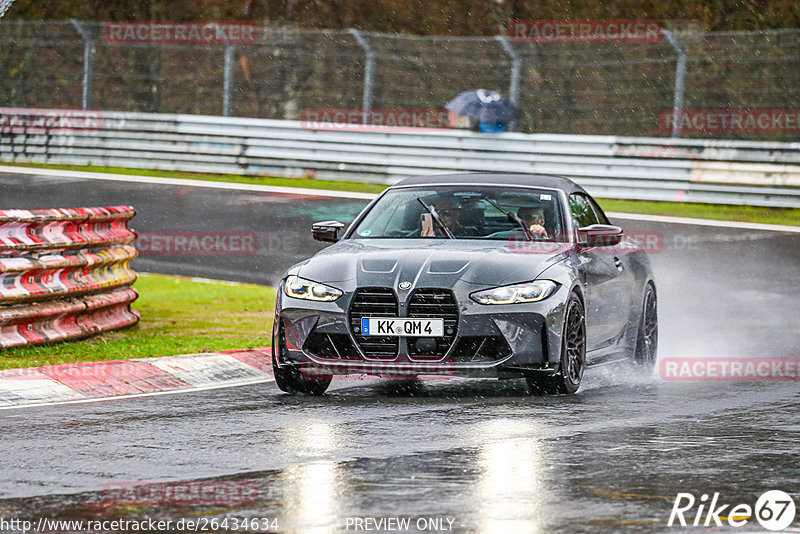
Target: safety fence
[(608, 88), (709, 171), (65, 273)]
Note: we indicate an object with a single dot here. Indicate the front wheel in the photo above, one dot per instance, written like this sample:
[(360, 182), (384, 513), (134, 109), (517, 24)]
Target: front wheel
[(573, 355), (647, 334), (289, 378)]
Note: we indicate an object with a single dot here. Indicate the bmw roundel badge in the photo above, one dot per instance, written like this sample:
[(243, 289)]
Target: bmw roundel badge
[(404, 285)]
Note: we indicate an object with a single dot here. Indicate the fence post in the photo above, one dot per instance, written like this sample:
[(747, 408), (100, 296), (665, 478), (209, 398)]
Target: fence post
[(227, 83), (516, 63), (88, 63), (680, 79), (369, 69)]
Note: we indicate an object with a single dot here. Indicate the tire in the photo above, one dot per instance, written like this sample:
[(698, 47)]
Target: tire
[(573, 355), (645, 351), (289, 378)]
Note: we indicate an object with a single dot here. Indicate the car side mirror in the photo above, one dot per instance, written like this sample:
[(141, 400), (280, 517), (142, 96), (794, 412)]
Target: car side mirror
[(599, 235), (327, 231)]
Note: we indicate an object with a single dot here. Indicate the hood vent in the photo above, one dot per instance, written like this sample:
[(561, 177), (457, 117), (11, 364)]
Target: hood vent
[(447, 266), (373, 265)]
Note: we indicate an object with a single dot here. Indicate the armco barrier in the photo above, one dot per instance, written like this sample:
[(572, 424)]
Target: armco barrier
[(65, 273), (712, 171)]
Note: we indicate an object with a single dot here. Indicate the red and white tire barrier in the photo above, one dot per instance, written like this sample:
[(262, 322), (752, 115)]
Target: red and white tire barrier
[(65, 273), (66, 319), (27, 278), (26, 231), (75, 382)]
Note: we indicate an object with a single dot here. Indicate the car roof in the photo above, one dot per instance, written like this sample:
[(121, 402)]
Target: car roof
[(489, 178)]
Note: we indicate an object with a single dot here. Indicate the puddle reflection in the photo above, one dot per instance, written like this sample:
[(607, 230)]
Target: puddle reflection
[(511, 483), (311, 492)]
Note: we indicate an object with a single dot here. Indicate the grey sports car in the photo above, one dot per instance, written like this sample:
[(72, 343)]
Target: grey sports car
[(477, 275)]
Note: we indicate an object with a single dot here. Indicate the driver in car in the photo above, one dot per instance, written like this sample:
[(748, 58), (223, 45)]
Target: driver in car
[(534, 220), (448, 212)]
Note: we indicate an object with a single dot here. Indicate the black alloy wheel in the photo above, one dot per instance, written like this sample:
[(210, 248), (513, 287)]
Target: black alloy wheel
[(573, 355)]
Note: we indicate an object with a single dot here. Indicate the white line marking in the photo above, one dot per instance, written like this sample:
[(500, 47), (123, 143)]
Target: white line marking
[(356, 195), (247, 382), (706, 222), (183, 182)]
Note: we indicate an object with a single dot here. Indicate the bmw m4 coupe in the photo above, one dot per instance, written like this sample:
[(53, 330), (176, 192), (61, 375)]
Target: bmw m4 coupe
[(475, 275)]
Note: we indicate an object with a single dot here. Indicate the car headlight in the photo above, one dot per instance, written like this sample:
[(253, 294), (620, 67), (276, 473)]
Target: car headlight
[(300, 288), (517, 293)]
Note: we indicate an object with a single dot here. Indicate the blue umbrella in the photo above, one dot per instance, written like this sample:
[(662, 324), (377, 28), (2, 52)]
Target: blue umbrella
[(483, 105)]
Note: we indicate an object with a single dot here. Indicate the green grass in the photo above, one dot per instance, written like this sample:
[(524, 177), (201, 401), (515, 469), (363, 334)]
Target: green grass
[(787, 216), (179, 316)]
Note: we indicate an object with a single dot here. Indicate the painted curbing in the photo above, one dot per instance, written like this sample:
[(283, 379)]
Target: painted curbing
[(87, 381)]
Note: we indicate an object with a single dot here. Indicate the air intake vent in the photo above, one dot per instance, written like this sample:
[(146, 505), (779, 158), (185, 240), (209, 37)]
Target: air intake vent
[(436, 303), (480, 349), (331, 346), (374, 302)]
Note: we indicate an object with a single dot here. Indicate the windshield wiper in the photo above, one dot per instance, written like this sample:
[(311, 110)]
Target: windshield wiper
[(436, 218), (511, 216)]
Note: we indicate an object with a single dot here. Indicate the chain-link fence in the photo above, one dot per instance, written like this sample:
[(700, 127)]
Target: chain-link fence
[(578, 87)]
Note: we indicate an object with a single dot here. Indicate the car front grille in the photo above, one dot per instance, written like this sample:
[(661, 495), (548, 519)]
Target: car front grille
[(436, 303), (374, 302)]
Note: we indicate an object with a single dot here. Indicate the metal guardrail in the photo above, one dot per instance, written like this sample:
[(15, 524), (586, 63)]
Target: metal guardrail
[(710, 171), (65, 273)]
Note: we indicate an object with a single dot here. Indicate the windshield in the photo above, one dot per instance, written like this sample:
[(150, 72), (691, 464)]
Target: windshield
[(465, 212)]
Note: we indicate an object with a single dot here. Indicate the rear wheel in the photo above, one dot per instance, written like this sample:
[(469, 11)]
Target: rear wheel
[(647, 336), (573, 355), (289, 378)]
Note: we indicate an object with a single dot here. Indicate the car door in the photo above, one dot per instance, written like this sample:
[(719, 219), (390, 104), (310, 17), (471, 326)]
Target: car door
[(606, 288)]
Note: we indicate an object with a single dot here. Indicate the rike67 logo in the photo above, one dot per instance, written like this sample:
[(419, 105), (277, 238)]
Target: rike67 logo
[(774, 510)]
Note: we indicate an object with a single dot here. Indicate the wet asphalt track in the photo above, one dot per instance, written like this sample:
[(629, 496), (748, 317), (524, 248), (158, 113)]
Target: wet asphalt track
[(480, 452)]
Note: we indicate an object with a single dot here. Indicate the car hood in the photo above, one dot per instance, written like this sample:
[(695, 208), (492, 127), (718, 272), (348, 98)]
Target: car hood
[(429, 263)]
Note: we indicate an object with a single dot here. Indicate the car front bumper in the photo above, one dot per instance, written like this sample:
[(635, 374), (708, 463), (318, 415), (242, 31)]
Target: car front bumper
[(502, 341)]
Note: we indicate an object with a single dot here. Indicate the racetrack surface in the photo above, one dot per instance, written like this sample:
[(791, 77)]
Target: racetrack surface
[(481, 452)]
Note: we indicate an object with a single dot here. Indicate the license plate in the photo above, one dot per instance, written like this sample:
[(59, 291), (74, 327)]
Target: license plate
[(387, 326)]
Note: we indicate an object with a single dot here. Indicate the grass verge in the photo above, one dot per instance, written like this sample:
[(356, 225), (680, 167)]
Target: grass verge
[(179, 316), (757, 214), (786, 216)]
